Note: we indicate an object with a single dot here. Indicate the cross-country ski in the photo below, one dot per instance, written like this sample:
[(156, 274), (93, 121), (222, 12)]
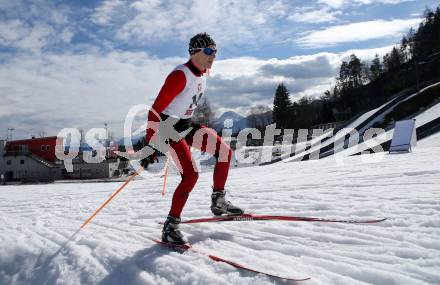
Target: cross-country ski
[(187, 247), (252, 217)]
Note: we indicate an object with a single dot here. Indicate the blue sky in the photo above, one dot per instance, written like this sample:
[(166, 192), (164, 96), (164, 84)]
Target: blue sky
[(83, 63)]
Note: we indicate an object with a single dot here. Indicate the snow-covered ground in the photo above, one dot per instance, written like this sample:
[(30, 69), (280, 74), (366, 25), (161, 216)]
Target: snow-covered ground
[(422, 118), (428, 115), (36, 220)]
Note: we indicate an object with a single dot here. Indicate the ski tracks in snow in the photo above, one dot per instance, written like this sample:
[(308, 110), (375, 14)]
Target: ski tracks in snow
[(37, 220)]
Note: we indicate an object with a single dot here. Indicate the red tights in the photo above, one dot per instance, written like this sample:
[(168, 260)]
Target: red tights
[(206, 140)]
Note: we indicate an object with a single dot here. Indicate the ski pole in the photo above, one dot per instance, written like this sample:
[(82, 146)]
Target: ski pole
[(111, 197), (94, 214), (165, 177)]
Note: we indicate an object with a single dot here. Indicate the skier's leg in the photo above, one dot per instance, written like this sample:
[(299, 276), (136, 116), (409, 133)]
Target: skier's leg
[(207, 140), (183, 159)]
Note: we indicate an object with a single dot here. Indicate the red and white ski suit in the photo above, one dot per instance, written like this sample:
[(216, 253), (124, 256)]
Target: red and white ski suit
[(178, 98)]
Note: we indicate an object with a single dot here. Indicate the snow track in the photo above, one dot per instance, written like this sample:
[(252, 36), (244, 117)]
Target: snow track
[(114, 249)]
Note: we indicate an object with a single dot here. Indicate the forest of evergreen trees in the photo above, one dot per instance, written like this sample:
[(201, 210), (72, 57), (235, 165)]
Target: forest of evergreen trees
[(361, 86)]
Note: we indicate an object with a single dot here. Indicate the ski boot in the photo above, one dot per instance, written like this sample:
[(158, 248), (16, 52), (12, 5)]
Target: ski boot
[(219, 206), (171, 233)]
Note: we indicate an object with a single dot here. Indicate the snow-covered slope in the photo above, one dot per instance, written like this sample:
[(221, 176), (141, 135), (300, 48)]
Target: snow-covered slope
[(114, 249), (381, 117), (421, 119), (367, 121)]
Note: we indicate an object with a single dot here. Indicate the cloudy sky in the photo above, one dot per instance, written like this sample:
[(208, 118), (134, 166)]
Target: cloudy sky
[(84, 63)]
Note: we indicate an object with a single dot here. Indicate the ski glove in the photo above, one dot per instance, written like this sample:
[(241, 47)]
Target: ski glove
[(149, 159)]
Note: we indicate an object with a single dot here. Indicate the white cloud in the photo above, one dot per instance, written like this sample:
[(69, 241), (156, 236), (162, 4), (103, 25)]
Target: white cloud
[(158, 22), (38, 37), (103, 14), (314, 15), (66, 35), (366, 54), (16, 34), (49, 92), (302, 67), (239, 83), (12, 31), (333, 3), (356, 32), (366, 2), (30, 27), (277, 8), (337, 4), (87, 90), (235, 67), (152, 23)]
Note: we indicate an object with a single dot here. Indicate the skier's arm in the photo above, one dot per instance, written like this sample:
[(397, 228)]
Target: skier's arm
[(174, 84)]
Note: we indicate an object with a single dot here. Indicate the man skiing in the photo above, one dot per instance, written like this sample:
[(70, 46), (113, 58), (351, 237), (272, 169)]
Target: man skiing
[(178, 99)]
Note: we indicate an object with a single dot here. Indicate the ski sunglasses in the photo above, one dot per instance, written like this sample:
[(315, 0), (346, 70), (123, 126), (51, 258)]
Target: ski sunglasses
[(208, 50)]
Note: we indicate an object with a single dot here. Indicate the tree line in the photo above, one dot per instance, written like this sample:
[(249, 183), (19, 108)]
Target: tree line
[(362, 86)]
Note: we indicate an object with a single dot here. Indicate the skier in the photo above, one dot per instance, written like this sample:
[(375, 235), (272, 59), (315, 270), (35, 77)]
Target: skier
[(178, 99)]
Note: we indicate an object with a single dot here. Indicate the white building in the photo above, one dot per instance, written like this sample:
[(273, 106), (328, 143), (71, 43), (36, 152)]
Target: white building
[(30, 168), (2, 161), (106, 169), (34, 160)]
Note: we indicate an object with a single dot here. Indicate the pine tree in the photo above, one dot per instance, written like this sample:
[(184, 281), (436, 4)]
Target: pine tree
[(375, 68), (393, 60), (344, 77), (355, 71), (281, 107)]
